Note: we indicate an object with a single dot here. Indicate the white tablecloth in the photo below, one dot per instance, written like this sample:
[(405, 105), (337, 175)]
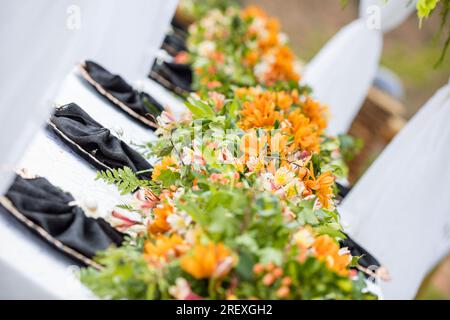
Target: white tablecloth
[(29, 267)]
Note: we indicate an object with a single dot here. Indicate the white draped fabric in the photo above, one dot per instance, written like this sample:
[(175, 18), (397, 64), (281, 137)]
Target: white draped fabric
[(43, 39), (400, 209), (342, 72)]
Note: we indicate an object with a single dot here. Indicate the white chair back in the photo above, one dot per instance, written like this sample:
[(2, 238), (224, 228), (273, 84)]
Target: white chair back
[(43, 39), (342, 72), (400, 209)]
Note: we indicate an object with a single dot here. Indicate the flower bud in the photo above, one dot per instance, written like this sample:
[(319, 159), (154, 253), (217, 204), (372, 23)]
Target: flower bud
[(277, 272), (268, 279), (283, 292), (270, 266), (258, 268), (286, 281)]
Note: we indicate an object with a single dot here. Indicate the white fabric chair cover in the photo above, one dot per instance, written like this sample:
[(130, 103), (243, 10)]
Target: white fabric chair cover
[(342, 72), (400, 209), (43, 39)]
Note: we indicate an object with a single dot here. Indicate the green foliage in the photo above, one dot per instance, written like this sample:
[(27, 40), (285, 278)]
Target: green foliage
[(200, 109), (152, 109), (196, 9), (161, 148), (128, 207), (349, 146), (305, 286), (425, 8), (217, 211), (168, 178), (324, 221), (344, 3), (255, 217), (125, 179), (126, 275)]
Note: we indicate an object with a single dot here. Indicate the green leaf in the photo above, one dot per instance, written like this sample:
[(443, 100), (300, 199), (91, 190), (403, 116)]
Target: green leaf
[(168, 177), (233, 108), (124, 178), (152, 109), (244, 267), (193, 210), (200, 109), (267, 205), (248, 242), (267, 255), (332, 232)]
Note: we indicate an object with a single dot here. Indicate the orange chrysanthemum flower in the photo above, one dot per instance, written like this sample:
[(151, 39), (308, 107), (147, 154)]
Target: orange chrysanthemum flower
[(251, 58), (282, 68), (284, 100), (307, 139), (297, 120), (305, 134), (165, 164), (322, 186), (252, 12), (270, 39), (259, 113), (242, 92), (317, 112), (159, 223), (163, 248), (326, 249), (208, 261)]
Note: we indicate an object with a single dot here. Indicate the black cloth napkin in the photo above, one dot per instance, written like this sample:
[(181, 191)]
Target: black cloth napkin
[(48, 207), (343, 191), (98, 146), (174, 44), (176, 77), (140, 102), (179, 27), (367, 260)]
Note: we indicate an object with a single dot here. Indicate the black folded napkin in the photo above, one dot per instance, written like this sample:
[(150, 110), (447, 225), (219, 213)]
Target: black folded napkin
[(139, 105), (176, 77), (49, 212), (179, 27), (367, 261), (93, 142), (343, 191), (174, 44)]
